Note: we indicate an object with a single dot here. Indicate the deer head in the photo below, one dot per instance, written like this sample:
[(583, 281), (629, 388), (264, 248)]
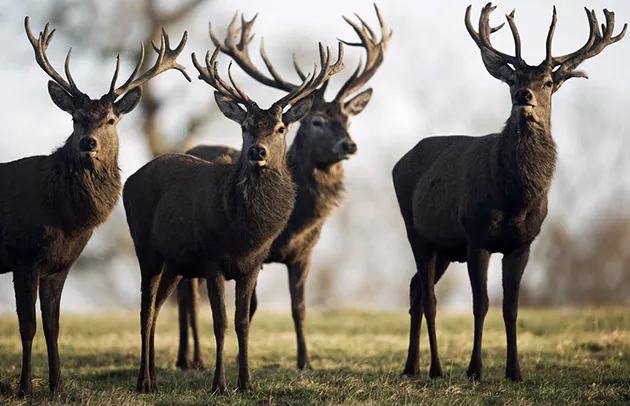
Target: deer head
[(531, 87), (94, 140), (264, 131), (325, 126)]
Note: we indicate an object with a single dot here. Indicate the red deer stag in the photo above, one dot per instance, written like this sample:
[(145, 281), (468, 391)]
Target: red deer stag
[(51, 204), (193, 218), (315, 161), (463, 198)]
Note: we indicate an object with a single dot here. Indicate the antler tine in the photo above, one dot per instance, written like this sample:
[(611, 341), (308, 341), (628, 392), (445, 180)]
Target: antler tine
[(312, 82), (40, 44), (112, 86), (134, 72), (73, 85), (240, 53), (277, 81), (597, 41), (552, 29), (240, 91), (210, 75), (167, 59), (375, 53), (515, 34), (298, 70)]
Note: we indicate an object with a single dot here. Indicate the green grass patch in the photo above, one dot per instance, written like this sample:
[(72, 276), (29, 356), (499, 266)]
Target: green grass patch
[(568, 357)]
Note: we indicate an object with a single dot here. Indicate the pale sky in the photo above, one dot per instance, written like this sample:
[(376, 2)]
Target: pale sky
[(432, 82)]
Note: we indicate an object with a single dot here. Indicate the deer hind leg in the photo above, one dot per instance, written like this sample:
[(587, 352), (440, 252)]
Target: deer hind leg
[(151, 271), (50, 290), (168, 282), (478, 260), (513, 267), (25, 283), (184, 305), (297, 285)]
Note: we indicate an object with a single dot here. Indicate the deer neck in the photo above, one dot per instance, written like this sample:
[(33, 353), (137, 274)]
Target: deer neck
[(83, 197), (320, 188), (258, 201), (526, 161)]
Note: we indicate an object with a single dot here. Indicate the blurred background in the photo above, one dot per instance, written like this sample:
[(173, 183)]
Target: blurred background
[(431, 82)]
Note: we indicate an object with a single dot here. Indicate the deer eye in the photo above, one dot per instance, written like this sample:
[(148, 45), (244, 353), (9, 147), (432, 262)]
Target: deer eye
[(549, 83), (111, 121), (317, 123), (281, 130)]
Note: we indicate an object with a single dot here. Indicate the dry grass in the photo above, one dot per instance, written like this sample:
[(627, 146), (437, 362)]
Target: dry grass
[(567, 357)]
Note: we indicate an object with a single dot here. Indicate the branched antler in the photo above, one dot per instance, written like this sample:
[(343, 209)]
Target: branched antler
[(167, 59), (40, 44), (597, 41), (482, 37), (375, 54)]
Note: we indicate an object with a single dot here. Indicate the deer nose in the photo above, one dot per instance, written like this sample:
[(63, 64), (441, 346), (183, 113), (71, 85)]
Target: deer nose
[(349, 147), (523, 96), (258, 153), (88, 144)]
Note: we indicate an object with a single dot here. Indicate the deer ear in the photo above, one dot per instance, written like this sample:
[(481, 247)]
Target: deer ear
[(356, 105), (128, 102), (298, 110), (230, 109), (559, 77), (60, 97), (497, 67)]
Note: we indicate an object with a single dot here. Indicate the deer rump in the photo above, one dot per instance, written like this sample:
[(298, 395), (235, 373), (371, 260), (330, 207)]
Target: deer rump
[(459, 187), (184, 235)]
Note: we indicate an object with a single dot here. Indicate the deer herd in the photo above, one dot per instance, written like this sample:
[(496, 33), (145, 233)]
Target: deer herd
[(217, 214)]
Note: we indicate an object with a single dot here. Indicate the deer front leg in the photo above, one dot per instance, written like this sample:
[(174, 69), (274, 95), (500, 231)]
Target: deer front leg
[(478, 273), (151, 269), (25, 283), (50, 290), (513, 268), (216, 293), (244, 290), (297, 285)]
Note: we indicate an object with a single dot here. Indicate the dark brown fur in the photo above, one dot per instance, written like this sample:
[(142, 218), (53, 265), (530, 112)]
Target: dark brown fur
[(315, 161), (217, 220), (463, 198), (49, 208)]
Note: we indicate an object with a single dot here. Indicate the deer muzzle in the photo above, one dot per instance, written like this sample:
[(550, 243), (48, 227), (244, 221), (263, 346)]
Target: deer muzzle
[(258, 155)]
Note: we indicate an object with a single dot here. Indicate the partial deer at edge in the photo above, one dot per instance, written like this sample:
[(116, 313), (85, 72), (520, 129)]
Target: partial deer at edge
[(463, 198)]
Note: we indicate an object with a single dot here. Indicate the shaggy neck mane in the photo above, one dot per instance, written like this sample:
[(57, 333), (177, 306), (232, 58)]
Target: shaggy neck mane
[(82, 197), (320, 188), (260, 198), (526, 158)]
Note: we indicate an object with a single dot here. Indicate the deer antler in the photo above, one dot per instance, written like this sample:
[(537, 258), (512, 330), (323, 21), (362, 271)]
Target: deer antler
[(40, 44), (210, 75), (597, 41), (309, 86), (482, 38), (167, 59), (375, 53), (239, 52)]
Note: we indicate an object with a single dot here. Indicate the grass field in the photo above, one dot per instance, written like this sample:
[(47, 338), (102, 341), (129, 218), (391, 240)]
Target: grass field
[(567, 357)]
